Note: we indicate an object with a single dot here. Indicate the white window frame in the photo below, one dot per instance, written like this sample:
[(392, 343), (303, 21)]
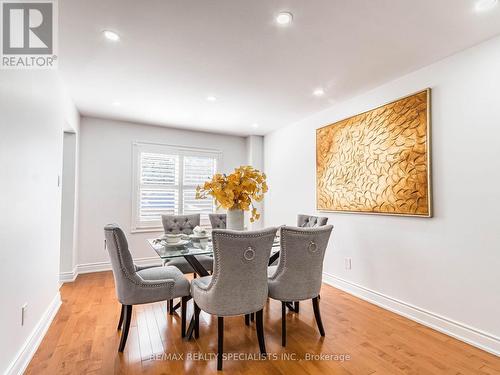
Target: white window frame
[(181, 151)]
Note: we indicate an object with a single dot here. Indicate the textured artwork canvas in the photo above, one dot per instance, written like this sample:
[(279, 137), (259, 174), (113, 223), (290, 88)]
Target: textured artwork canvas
[(378, 161)]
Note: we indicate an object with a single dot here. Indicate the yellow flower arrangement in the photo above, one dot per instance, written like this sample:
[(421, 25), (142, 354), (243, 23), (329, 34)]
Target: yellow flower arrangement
[(237, 191)]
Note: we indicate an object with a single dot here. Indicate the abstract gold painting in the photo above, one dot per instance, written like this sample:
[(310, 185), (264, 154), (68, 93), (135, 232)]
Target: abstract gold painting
[(378, 161)]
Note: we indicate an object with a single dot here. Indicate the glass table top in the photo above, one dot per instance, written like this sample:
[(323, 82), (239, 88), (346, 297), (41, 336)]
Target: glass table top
[(189, 247)]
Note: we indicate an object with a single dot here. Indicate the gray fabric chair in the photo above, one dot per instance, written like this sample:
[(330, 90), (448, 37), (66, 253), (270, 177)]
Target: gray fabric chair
[(137, 285), (238, 285), (298, 275), (174, 224), (218, 221), (308, 221), (180, 223)]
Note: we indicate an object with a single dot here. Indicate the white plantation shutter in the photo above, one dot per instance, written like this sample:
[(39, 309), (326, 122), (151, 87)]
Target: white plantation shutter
[(159, 193), (196, 170), (155, 202), (197, 206), (165, 180)]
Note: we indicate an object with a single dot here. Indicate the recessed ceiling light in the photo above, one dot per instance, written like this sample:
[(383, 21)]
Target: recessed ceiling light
[(284, 18), (255, 125), (319, 92), (211, 98), (116, 103), (485, 5), (111, 35)]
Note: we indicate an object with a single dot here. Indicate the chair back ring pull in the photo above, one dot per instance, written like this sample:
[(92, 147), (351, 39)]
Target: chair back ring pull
[(249, 253), (312, 247)]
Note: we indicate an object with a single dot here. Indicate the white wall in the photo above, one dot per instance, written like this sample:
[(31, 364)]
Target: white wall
[(34, 109), (255, 158), (449, 265), (105, 182), (255, 151), (68, 202)]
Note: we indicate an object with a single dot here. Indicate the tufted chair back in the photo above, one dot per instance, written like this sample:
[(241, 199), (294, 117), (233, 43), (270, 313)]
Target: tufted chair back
[(239, 280), (174, 224), (131, 288), (300, 268), (307, 221), (124, 273), (218, 221)]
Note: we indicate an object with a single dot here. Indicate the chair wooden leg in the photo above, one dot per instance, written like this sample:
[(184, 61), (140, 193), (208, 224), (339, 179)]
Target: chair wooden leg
[(317, 315), (126, 325), (296, 306), (171, 307), (220, 341), (121, 318), (283, 323), (252, 317), (196, 321), (183, 315), (247, 319), (260, 332)]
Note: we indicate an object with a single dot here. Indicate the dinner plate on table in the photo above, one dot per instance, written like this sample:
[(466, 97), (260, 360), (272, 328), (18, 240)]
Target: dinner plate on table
[(177, 244)]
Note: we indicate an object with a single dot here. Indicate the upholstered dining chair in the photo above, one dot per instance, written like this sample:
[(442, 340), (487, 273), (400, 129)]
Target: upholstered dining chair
[(175, 224), (238, 285), (218, 221), (298, 275), (135, 285), (308, 221)]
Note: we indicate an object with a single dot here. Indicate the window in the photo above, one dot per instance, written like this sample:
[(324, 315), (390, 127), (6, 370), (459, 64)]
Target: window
[(165, 180)]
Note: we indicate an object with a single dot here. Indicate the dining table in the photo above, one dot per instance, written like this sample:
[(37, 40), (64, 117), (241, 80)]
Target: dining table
[(190, 248)]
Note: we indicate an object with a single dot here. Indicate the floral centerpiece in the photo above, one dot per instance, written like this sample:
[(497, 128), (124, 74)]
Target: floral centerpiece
[(236, 193)]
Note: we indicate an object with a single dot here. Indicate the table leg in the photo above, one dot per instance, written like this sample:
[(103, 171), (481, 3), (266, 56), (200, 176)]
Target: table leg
[(293, 306), (200, 271), (273, 258), (175, 307), (190, 330), (197, 266)]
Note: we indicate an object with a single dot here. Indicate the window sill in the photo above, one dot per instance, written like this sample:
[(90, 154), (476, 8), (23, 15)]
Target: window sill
[(147, 230)]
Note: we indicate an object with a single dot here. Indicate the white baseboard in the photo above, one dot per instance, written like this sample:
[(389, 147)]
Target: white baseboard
[(69, 276), (93, 267), (65, 277), (482, 340), (28, 350)]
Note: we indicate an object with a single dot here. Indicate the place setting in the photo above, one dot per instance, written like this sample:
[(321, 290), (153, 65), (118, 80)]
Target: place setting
[(199, 238)]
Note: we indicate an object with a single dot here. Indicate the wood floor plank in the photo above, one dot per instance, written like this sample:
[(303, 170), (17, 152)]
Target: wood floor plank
[(83, 339), (143, 332), (154, 331)]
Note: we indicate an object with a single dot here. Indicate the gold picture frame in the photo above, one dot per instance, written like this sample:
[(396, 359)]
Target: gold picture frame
[(379, 161)]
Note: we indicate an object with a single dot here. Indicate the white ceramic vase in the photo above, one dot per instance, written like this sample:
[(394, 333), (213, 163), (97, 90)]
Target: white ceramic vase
[(235, 219)]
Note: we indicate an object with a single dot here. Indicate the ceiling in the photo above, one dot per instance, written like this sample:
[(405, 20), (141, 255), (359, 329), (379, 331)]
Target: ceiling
[(174, 53)]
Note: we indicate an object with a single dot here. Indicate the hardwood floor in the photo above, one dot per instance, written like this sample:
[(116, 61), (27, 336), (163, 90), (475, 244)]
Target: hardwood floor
[(83, 340)]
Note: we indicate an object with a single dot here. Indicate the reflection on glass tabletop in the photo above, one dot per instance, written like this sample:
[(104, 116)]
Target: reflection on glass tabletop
[(187, 246), (184, 247)]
